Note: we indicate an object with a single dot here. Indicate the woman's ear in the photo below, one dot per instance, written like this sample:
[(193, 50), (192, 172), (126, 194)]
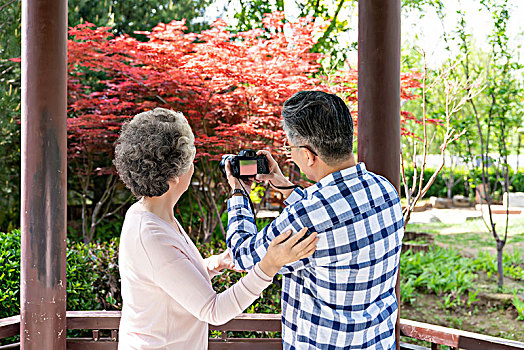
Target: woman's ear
[(174, 182)]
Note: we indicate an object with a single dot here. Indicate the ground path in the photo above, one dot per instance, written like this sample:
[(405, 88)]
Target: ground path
[(464, 227)]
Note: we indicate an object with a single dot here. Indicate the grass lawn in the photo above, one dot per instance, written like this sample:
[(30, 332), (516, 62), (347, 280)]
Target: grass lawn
[(473, 236)]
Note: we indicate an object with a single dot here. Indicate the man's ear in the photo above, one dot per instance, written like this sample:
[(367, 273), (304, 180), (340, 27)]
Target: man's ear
[(311, 158)]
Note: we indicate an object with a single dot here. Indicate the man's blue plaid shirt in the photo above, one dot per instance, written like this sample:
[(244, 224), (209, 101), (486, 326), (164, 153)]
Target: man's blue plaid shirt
[(343, 296)]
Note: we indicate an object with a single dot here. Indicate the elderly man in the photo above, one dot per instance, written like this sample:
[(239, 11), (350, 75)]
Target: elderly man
[(343, 296)]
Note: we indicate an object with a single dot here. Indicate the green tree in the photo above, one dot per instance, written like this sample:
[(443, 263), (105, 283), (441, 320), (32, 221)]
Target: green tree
[(136, 15), (250, 14), (493, 119), (10, 40), (494, 116)]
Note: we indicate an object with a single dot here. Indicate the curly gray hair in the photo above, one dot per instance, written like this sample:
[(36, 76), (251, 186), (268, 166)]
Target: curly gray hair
[(153, 148)]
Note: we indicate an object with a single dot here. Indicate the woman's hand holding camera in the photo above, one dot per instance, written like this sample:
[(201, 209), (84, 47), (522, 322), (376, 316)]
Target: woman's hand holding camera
[(286, 248)]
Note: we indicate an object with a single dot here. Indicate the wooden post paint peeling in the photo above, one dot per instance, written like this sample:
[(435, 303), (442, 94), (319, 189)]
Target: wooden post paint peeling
[(43, 194)]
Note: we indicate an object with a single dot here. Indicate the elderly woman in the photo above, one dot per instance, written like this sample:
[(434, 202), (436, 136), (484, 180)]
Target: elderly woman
[(166, 284)]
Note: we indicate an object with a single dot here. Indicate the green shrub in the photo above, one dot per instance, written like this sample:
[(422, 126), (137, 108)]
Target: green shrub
[(408, 292), (443, 272), (10, 274), (518, 181), (106, 284), (80, 291), (439, 187), (93, 282), (467, 179), (519, 306), (9, 145), (446, 273), (510, 263)]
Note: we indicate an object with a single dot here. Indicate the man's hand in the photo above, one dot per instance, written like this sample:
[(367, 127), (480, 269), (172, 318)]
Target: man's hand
[(275, 174), (236, 183)]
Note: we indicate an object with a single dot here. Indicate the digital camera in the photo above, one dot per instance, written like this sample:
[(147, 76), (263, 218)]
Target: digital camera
[(245, 165)]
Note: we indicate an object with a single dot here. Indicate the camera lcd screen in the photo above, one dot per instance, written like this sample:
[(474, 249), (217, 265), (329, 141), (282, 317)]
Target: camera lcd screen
[(248, 167)]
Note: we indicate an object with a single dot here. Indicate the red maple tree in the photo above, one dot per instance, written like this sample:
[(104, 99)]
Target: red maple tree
[(230, 86)]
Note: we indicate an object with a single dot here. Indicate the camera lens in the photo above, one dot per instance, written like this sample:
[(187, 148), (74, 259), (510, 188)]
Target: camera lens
[(222, 163)]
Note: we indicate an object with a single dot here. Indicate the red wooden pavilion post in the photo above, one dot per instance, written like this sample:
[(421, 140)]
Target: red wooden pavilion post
[(379, 92), (44, 151)]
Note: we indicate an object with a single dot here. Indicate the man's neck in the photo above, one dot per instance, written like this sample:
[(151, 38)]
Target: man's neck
[(325, 170)]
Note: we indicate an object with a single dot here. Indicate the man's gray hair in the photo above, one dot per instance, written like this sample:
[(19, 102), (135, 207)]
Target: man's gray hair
[(153, 148), (321, 121)]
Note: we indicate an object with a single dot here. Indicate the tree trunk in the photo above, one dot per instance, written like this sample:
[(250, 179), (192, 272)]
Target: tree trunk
[(466, 186), (500, 267), (450, 183)]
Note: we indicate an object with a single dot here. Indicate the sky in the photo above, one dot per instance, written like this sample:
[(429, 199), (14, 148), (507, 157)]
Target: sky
[(423, 31), (427, 32)]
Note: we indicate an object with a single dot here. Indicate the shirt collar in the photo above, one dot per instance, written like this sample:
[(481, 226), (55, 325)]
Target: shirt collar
[(339, 176)]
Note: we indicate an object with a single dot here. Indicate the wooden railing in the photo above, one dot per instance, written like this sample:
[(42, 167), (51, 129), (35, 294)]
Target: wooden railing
[(104, 327)]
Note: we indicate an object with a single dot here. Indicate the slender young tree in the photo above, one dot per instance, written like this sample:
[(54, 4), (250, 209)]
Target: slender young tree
[(452, 88), (496, 115)]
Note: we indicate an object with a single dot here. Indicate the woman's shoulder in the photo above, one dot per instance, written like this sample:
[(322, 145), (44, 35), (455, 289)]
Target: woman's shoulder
[(142, 220), (148, 233), (154, 231), (135, 220)]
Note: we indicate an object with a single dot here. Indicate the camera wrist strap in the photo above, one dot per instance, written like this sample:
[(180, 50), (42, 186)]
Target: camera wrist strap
[(249, 200), (284, 187)]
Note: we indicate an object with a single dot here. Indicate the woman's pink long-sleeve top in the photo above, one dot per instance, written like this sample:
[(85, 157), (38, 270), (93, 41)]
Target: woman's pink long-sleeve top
[(168, 299)]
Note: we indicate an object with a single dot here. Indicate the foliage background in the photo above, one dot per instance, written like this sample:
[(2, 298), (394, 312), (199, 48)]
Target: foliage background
[(93, 281), (136, 17)]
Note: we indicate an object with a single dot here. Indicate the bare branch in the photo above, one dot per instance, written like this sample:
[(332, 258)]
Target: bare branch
[(453, 88), (5, 5)]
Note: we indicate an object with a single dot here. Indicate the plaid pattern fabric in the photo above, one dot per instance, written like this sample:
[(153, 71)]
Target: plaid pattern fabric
[(343, 296)]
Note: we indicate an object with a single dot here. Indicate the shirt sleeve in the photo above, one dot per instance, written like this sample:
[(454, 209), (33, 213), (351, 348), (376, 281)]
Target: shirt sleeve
[(182, 280), (248, 245)]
